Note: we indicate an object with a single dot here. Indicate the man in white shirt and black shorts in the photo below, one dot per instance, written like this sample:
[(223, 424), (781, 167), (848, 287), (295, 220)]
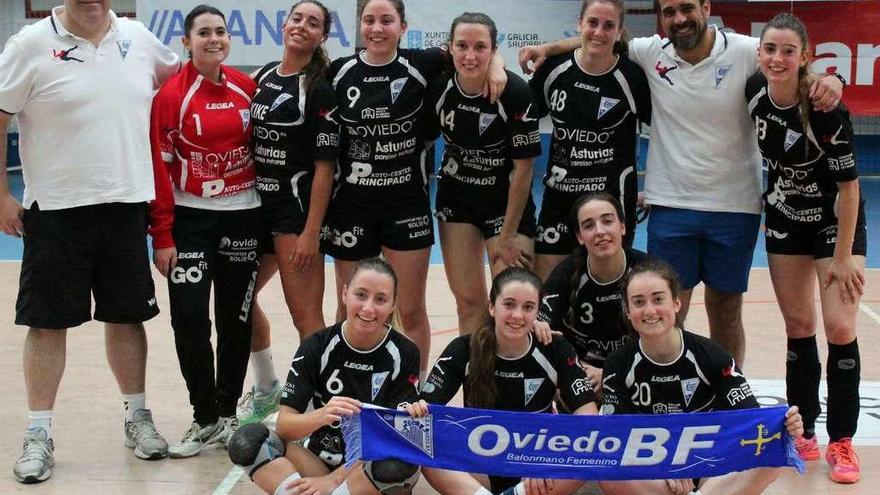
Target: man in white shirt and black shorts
[(81, 82)]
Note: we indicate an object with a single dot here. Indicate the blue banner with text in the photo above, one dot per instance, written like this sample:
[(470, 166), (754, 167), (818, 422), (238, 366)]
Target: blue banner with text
[(619, 447)]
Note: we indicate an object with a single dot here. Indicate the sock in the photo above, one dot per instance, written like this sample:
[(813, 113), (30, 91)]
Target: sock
[(133, 402), (41, 419), (803, 371), (264, 370), (423, 376), (341, 489), (482, 491), (518, 489), (282, 488), (844, 371)]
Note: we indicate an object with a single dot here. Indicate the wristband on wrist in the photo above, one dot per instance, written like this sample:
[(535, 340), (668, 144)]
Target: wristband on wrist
[(838, 76)]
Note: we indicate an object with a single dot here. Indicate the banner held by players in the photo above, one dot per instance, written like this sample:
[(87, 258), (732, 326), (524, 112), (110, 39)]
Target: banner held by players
[(578, 447)]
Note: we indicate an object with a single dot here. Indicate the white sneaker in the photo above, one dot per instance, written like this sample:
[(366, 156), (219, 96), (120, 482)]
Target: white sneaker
[(196, 438), (36, 460), (141, 435), (230, 425)]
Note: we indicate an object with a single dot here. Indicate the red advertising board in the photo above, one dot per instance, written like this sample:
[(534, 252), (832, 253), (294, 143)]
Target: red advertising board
[(845, 37)]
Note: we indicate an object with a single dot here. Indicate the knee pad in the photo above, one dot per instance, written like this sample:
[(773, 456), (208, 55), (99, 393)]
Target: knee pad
[(254, 445), (392, 477)]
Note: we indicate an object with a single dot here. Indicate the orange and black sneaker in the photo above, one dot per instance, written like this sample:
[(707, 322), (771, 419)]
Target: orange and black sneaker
[(807, 448), (843, 460)]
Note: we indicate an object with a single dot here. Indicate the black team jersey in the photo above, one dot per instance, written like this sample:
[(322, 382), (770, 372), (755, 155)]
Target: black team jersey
[(803, 165), (528, 383), (326, 366), (482, 138), (292, 129), (703, 378), (588, 313), (382, 160), (595, 120)]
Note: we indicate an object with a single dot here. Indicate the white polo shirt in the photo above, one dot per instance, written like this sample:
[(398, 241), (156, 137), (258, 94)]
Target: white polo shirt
[(703, 153), (84, 111)]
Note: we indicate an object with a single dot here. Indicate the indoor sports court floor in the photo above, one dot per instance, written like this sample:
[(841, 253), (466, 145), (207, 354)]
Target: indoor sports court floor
[(90, 456)]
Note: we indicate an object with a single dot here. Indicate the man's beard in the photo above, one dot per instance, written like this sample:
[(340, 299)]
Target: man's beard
[(689, 41)]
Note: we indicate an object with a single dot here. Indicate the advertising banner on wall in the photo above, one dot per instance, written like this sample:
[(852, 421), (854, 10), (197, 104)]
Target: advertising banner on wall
[(843, 33), (254, 25), (520, 23), (844, 37)]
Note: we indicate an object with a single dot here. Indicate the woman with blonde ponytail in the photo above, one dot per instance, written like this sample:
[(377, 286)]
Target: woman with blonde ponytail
[(815, 223)]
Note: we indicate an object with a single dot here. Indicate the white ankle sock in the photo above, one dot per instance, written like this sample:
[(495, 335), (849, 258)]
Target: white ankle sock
[(264, 370), (282, 488), (41, 419), (133, 402), (341, 489), (482, 491)]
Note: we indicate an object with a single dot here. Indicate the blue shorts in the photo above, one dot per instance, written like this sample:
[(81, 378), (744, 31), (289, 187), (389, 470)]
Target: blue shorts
[(713, 247)]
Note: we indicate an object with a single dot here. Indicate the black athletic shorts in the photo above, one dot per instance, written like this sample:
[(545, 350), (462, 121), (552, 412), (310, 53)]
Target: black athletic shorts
[(554, 229), (818, 243), (74, 254), (358, 233), (281, 216), (327, 446), (455, 206)]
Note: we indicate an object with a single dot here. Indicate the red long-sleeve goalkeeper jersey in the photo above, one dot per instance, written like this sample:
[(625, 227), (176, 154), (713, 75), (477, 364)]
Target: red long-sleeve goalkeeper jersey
[(200, 133)]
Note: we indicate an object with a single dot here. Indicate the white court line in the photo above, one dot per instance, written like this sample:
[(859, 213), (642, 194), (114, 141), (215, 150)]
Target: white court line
[(229, 481), (236, 472), (870, 312)]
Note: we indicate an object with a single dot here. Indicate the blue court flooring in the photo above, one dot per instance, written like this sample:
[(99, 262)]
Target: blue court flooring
[(10, 247)]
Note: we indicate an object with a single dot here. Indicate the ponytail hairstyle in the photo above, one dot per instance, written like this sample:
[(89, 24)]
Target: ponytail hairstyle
[(398, 6), (656, 267), (621, 46), (580, 253), (320, 61), (198, 10), (469, 18), (792, 23), (480, 381), (379, 265)]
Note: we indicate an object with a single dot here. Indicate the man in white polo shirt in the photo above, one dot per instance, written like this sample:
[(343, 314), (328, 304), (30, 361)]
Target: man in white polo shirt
[(703, 175), (81, 82)]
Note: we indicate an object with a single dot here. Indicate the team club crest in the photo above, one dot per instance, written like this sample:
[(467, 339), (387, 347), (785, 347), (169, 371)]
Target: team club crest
[(417, 431), (688, 388), (486, 120), (720, 72), (376, 384), (124, 46), (531, 387), (245, 118), (396, 87), (606, 104), (280, 100), (791, 137)]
